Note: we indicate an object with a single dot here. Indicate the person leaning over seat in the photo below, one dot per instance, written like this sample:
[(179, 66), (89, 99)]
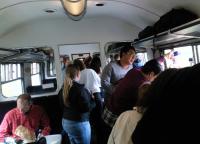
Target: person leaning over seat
[(126, 94), (127, 121)]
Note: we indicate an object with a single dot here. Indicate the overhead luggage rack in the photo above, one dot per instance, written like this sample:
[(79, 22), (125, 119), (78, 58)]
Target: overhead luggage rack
[(181, 35)]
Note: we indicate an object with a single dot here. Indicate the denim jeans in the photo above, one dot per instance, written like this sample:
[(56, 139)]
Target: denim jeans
[(78, 132)]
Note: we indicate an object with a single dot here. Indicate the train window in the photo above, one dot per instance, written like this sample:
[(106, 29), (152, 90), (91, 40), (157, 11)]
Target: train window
[(142, 57), (11, 82), (184, 56), (179, 57), (12, 88), (10, 72), (198, 54), (27, 70), (52, 69), (35, 74)]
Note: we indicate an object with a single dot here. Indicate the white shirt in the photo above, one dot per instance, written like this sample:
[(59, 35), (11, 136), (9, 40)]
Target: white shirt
[(91, 80), (124, 127)]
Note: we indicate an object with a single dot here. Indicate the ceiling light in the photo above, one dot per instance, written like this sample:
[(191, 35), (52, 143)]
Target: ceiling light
[(100, 4), (50, 10), (75, 9)]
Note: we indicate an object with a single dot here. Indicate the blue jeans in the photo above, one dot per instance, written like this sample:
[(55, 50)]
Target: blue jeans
[(78, 132)]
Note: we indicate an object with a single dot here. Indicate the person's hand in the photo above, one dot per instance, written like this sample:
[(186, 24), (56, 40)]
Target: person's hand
[(40, 135)]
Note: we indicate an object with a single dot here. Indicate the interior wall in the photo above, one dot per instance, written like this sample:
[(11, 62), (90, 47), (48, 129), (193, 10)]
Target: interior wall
[(61, 31), (53, 32)]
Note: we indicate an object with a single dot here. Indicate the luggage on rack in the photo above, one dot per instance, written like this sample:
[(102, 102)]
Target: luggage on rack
[(146, 32), (174, 18)]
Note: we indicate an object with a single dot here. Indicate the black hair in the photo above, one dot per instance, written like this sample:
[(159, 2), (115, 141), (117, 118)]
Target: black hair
[(126, 48), (172, 116), (152, 66), (87, 61), (116, 56), (79, 64), (96, 64), (25, 96)]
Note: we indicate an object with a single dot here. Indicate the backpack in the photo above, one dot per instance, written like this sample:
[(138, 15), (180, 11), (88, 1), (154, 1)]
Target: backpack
[(174, 18)]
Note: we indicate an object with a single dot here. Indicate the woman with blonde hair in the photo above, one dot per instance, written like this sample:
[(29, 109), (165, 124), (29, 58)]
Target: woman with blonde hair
[(77, 104)]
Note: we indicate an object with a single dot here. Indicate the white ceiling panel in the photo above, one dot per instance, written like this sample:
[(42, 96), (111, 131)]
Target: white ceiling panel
[(136, 12)]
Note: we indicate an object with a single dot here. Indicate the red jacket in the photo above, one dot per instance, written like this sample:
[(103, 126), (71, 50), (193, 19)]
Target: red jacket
[(35, 119), (125, 95)]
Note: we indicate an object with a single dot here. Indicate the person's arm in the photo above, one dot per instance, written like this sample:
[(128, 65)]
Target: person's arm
[(95, 82), (98, 102), (84, 102), (105, 79), (5, 128)]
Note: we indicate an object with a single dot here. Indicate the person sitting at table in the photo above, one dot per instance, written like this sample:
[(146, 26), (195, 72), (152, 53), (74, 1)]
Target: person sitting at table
[(26, 116)]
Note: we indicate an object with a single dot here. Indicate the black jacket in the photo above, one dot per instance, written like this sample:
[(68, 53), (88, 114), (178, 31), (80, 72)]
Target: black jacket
[(81, 103)]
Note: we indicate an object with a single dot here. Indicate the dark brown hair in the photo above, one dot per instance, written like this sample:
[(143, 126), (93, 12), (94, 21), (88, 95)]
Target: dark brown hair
[(25, 96)]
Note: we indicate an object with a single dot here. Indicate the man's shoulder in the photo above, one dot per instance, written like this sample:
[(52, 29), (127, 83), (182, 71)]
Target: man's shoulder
[(37, 107), (11, 112), (112, 64), (90, 71), (130, 115), (133, 71)]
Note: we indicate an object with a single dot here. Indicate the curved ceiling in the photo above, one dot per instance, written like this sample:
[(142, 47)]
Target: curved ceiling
[(136, 12)]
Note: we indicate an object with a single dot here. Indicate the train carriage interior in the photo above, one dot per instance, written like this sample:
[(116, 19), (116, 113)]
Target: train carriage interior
[(36, 37)]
